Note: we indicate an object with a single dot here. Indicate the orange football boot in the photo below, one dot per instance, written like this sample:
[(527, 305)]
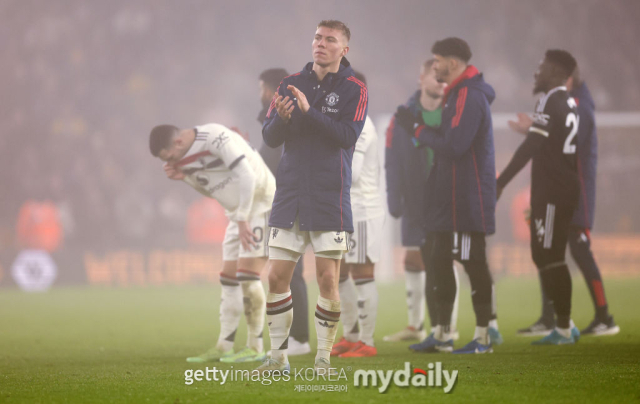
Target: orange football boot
[(360, 350), (342, 346)]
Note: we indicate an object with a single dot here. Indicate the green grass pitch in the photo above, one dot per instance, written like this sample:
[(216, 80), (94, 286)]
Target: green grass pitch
[(82, 345)]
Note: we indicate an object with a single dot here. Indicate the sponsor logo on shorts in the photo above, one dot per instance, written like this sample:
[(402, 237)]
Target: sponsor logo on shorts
[(539, 230), (338, 239), (275, 233)]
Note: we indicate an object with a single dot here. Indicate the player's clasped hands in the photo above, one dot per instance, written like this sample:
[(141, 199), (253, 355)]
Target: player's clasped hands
[(173, 172), (284, 106), (303, 103)]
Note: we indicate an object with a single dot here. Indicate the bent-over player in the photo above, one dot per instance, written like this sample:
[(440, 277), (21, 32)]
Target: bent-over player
[(220, 164)]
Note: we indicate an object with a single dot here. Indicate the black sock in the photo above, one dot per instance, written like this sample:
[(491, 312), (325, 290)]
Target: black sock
[(430, 284), (481, 290), (556, 281), (548, 316), (442, 261)]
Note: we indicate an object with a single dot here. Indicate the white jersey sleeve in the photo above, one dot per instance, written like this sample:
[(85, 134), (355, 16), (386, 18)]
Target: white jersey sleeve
[(366, 139), (366, 200), (246, 186)]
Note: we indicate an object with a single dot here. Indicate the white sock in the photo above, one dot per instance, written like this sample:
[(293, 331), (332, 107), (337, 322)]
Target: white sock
[(415, 284), (565, 332), (454, 312), (230, 311), (482, 334), (367, 308), (349, 315), (493, 323), (327, 317), (279, 319), (254, 307), (442, 333)]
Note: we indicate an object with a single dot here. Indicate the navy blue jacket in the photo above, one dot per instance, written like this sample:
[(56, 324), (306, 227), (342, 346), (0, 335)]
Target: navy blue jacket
[(587, 157), (406, 170), (463, 178), (313, 180)]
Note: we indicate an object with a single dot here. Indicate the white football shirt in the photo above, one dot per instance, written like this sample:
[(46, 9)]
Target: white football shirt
[(210, 163)]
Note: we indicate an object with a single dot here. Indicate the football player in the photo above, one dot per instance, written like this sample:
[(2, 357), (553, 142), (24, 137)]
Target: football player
[(220, 164)]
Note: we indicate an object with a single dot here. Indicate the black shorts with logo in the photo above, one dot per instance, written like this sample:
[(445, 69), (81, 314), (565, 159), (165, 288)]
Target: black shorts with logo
[(550, 224)]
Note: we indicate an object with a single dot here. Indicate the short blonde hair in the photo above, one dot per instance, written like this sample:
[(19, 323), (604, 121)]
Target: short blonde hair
[(335, 24)]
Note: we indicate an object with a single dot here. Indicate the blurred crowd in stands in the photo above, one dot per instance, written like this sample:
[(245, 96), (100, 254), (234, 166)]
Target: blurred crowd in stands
[(83, 82)]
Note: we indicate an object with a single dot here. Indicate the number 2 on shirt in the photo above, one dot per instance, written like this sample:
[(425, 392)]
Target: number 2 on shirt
[(572, 121)]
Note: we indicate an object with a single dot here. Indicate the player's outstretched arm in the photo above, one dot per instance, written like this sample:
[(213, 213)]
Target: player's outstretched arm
[(523, 123), (521, 157)]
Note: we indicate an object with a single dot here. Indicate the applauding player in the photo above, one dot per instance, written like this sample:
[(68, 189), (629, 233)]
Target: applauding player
[(318, 113)]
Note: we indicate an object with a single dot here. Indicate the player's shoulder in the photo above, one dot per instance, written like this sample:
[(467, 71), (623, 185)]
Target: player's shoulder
[(556, 100), (210, 129), (216, 135), (292, 78), (353, 84)]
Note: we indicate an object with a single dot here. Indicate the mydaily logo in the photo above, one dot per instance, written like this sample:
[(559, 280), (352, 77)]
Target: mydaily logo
[(433, 377)]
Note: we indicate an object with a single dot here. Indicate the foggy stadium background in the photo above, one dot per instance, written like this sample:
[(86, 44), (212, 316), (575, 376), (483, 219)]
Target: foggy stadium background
[(82, 84)]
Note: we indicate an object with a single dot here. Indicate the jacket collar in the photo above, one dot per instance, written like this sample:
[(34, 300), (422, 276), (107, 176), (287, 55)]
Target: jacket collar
[(468, 73), (344, 69)]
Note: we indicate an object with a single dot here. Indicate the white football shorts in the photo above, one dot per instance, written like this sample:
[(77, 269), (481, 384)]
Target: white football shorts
[(365, 242), (232, 247), (290, 244)]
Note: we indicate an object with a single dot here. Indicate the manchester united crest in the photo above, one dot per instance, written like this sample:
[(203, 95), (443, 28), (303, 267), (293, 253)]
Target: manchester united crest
[(332, 99)]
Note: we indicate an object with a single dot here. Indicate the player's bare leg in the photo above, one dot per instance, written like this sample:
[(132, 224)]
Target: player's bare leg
[(367, 309)]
